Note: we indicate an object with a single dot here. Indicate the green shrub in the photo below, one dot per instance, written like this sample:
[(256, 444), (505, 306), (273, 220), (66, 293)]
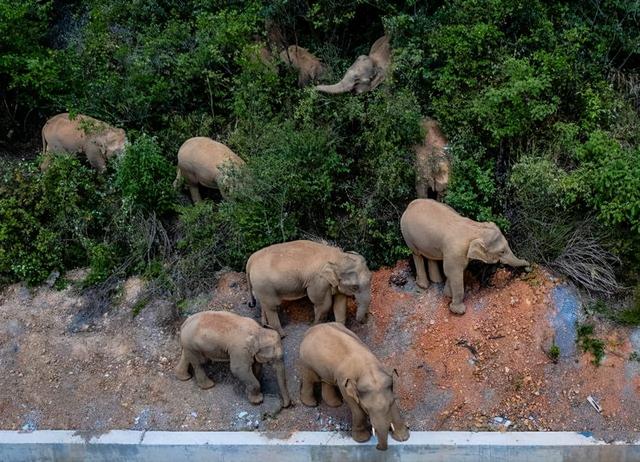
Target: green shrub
[(50, 221), (145, 177)]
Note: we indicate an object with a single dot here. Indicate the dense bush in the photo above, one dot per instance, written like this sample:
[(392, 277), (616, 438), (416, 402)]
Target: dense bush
[(538, 99)]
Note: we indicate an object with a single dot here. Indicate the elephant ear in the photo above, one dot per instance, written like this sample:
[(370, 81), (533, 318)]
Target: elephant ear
[(329, 272), (478, 251), (351, 390)]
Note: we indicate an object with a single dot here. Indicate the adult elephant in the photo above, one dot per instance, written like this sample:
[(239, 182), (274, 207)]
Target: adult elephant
[(432, 162), (228, 337), (332, 355), (437, 232), (366, 73), (205, 162), (94, 138), (296, 269)]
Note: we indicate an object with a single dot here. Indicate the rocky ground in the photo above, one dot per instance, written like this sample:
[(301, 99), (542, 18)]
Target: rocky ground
[(67, 367)]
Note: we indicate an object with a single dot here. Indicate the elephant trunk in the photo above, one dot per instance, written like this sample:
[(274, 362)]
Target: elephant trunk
[(341, 87), (278, 366), (511, 260), (363, 299), (380, 428)]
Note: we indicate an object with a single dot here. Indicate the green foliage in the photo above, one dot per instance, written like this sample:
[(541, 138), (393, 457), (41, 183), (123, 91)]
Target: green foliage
[(590, 344), (554, 352), (48, 221), (145, 177)]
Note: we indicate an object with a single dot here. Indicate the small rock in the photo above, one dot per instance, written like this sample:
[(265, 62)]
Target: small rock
[(242, 414), (53, 277)]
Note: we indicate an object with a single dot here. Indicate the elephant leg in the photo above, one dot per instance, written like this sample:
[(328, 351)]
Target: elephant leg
[(242, 367), (273, 320), (359, 427), (257, 370), (447, 289), (454, 271), (322, 304), (195, 193), (182, 369), (330, 395), (202, 380), (340, 308), (434, 271), (263, 316), (308, 379), (421, 274)]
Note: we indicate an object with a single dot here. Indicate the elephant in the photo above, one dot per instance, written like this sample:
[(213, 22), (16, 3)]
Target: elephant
[(94, 138), (325, 274), (437, 232), (224, 336), (205, 162), (332, 355), (366, 73), (309, 68), (432, 163)]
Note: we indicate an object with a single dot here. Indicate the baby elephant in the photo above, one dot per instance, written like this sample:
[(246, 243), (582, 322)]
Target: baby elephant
[(437, 232), (223, 336), (334, 356), (204, 162), (97, 140), (325, 274), (308, 66)]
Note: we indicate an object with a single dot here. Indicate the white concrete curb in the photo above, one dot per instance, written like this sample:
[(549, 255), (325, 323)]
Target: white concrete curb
[(157, 446)]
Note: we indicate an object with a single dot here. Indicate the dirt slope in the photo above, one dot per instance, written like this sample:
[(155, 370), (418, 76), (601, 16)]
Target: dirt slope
[(486, 370)]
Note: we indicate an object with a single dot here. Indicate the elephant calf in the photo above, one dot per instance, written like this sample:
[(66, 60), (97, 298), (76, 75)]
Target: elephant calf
[(325, 274), (432, 162), (97, 140), (437, 232), (308, 66), (202, 161), (223, 336), (332, 355)]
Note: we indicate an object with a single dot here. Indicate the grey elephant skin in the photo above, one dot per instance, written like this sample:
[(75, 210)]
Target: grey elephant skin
[(366, 73), (296, 269), (437, 232), (332, 355), (222, 336), (96, 139), (205, 162)]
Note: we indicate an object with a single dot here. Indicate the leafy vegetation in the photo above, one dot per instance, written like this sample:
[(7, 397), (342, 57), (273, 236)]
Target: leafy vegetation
[(590, 344), (538, 99)]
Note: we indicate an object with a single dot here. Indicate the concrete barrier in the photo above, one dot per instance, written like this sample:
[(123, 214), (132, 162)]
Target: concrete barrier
[(154, 446)]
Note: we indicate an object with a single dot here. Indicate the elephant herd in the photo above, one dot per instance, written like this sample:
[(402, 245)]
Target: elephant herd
[(330, 354)]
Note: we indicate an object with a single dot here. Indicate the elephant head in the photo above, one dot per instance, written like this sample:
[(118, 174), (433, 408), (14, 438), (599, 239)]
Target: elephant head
[(349, 275), (366, 73), (373, 392), (492, 247), (266, 347), (112, 142), (308, 66)]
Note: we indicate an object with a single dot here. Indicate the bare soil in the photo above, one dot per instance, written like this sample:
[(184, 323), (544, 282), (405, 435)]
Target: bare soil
[(66, 367)]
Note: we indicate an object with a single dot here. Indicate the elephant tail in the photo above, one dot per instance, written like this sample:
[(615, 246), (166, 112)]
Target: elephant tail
[(44, 143), (252, 298), (176, 182)]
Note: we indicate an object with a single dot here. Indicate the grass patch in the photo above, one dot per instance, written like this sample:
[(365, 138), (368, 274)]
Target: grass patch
[(589, 343)]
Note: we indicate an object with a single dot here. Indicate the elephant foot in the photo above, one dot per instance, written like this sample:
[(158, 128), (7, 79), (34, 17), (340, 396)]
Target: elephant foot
[(457, 308), (400, 435), (255, 398), (361, 436), (422, 284), (182, 375), (281, 332), (206, 383), (286, 402), (309, 401)]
